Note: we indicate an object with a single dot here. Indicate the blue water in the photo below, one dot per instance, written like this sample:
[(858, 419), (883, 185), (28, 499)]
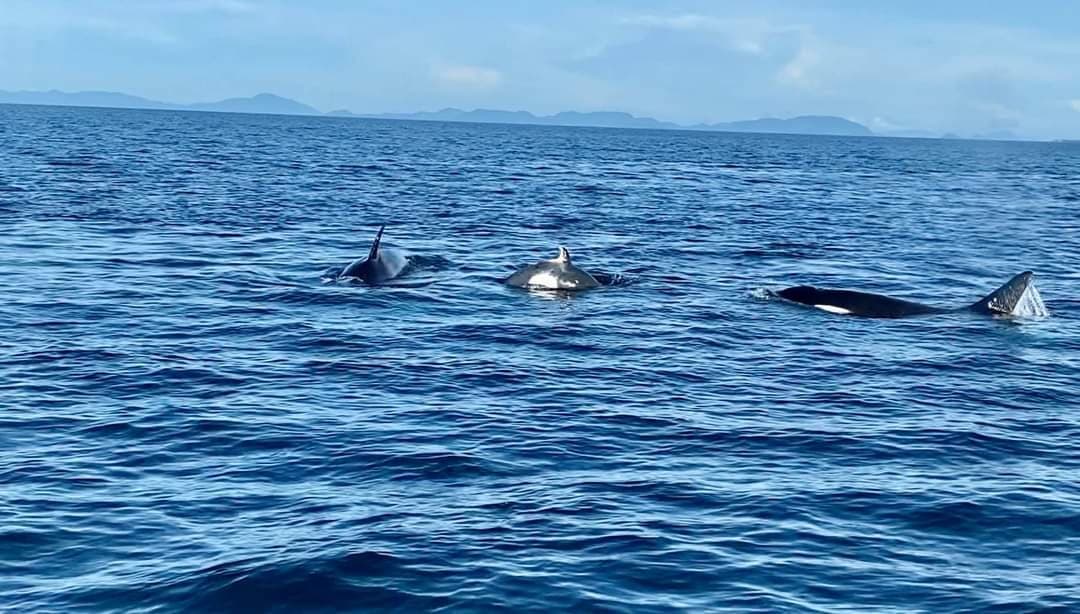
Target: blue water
[(193, 419)]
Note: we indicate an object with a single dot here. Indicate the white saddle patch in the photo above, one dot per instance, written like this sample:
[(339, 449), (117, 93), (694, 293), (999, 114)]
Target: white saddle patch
[(551, 280), (544, 279), (833, 309)]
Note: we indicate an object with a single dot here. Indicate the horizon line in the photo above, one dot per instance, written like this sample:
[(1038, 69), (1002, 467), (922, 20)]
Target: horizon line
[(418, 116)]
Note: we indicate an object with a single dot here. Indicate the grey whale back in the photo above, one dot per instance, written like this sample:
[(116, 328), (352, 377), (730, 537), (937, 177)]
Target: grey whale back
[(559, 273)]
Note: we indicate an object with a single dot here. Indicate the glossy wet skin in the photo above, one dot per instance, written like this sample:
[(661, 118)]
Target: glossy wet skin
[(1004, 299), (382, 263), (557, 274), (850, 302), (387, 264), (855, 303)]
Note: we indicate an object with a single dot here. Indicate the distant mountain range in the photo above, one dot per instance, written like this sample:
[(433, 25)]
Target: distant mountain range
[(261, 103), (270, 103), (807, 124)]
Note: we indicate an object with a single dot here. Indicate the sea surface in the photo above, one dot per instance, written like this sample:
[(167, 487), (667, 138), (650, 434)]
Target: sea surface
[(195, 416)]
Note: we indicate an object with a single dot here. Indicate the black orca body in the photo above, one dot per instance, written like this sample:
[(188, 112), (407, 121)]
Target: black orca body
[(1001, 301), (381, 265)]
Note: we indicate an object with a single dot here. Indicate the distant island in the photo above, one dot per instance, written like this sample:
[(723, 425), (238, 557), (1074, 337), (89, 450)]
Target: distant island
[(261, 103), (273, 104), (807, 124)]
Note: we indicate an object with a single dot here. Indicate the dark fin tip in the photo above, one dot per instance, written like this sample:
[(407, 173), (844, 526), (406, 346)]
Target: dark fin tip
[(375, 244)]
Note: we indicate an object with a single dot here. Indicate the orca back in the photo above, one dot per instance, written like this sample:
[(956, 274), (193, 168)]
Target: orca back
[(380, 265), (1002, 301), (865, 304)]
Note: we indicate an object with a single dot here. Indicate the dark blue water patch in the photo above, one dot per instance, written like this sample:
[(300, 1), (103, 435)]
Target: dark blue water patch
[(197, 417), (75, 161)]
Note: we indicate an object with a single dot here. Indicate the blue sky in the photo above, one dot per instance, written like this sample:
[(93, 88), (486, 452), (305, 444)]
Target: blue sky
[(964, 66)]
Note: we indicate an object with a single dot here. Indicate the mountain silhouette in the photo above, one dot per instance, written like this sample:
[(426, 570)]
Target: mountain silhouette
[(82, 99), (807, 124), (804, 124), (261, 103), (271, 103), (599, 119)]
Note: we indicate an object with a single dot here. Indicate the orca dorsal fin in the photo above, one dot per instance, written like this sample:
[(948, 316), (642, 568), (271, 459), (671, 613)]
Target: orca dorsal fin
[(563, 257), (374, 253), (1004, 299)]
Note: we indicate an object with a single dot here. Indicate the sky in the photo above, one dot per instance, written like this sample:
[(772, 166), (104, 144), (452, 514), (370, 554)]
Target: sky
[(962, 66)]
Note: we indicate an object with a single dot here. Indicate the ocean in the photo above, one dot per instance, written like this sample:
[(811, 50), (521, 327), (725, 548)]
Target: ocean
[(196, 417)]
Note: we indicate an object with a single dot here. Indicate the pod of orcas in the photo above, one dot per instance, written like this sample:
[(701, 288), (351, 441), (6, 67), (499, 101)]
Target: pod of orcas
[(384, 263)]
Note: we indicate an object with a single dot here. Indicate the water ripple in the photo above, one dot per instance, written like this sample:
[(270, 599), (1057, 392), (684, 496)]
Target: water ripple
[(198, 417)]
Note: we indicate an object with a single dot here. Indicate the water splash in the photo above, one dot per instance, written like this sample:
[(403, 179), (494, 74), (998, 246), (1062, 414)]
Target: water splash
[(762, 294), (613, 279), (1031, 304)]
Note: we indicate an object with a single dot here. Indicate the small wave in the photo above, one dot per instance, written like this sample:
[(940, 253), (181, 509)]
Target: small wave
[(614, 279), (762, 294), (359, 168), (429, 263), (331, 274), (592, 188), (362, 580), (74, 162)]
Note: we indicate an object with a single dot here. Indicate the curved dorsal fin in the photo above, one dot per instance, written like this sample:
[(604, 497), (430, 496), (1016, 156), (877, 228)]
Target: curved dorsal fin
[(374, 253), (564, 255)]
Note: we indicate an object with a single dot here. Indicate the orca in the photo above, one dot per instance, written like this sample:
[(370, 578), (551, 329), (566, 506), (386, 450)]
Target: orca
[(558, 273), (1002, 301), (381, 265)]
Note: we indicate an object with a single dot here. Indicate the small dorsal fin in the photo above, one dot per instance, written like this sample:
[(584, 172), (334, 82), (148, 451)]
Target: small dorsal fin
[(564, 255), (374, 253)]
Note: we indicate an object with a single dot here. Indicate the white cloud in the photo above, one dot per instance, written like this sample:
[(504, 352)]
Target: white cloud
[(799, 71), (473, 77), (234, 7), (800, 52), (884, 124), (683, 22), (1074, 104), (118, 29), (749, 36), (60, 22)]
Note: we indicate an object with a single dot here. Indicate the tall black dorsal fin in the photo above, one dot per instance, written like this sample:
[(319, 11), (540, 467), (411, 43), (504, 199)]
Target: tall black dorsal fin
[(375, 244), (1004, 299)]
